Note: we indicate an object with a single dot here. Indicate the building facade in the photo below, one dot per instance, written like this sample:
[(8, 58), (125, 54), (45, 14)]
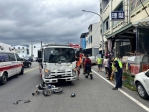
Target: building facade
[(129, 36), (29, 49), (110, 26), (139, 17), (83, 40), (22, 50), (33, 49), (93, 37)]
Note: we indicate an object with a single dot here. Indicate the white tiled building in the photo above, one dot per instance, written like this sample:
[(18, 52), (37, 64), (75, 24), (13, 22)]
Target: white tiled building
[(93, 37), (22, 50), (33, 49), (30, 49)]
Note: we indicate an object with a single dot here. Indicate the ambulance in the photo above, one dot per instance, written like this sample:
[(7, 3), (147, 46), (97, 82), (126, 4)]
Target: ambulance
[(10, 63)]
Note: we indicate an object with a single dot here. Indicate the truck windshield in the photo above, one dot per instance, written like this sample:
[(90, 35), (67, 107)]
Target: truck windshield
[(59, 55)]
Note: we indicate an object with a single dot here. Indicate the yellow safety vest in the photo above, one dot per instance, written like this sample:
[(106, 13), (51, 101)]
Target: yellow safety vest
[(99, 60), (113, 67), (119, 62)]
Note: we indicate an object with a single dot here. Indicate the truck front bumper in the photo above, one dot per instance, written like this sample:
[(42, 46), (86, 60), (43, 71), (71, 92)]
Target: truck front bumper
[(55, 80)]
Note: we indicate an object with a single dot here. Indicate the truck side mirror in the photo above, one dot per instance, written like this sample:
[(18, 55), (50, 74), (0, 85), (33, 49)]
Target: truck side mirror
[(40, 60), (39, 54)]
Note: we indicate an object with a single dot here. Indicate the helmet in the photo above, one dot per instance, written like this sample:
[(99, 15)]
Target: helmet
[(73, 95)]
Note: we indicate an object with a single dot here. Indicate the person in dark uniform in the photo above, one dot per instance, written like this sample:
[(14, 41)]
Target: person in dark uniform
[(118, 74), (109, 68), (87, 65)]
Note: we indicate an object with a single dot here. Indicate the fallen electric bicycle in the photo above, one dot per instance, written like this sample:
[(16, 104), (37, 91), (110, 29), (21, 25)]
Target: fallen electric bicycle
[(47, 89)]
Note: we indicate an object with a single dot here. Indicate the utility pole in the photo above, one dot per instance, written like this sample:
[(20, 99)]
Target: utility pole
[(102, 29), (41, 44), (31, 48)]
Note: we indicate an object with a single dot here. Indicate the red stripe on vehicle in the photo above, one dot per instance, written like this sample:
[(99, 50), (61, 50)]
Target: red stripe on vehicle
[(10, 67)]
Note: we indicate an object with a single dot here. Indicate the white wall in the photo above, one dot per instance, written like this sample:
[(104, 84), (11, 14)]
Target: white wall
[(22, 52), (96, 38), (96, 35), (33, 49)]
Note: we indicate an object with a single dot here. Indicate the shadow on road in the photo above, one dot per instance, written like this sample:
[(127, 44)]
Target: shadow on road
[(63, 83)]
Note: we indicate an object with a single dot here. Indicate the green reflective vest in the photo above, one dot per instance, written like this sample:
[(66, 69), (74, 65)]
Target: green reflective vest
[(99, 60), (119, 62)]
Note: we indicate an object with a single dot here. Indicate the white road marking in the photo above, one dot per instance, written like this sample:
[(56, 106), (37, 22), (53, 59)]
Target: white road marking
[(130, 97)]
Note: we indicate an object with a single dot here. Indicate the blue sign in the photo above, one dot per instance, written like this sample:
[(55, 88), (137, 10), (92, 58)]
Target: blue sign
[(83, 43), (117, 15)]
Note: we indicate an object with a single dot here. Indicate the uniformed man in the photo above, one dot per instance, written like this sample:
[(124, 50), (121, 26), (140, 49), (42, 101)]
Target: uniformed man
[(117, 70)]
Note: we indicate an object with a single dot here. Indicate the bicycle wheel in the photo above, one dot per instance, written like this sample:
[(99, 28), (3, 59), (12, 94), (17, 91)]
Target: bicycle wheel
[(57, 90), (47, 92)]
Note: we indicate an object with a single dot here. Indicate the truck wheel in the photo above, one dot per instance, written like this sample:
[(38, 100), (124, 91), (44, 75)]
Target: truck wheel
[(3, 79), (22, 71)]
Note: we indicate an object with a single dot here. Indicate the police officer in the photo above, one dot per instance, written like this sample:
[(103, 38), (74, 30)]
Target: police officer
[(117, 70), (121, 69)]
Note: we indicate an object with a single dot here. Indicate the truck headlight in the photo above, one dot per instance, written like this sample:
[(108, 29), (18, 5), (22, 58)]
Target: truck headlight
[(73, 72), (47, 73), (70, 65)]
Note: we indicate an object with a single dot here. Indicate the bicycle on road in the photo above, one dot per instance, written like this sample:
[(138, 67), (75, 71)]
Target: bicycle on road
[(47, 89)]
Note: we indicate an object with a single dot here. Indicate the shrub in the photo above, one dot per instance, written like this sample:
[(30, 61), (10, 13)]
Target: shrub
[(129, 81)]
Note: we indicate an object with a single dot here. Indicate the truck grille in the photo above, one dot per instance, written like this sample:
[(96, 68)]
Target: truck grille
[(60, 75), (61, 72)]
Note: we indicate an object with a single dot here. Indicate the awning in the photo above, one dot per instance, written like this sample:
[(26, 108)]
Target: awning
[(119, 31), (141, 22)]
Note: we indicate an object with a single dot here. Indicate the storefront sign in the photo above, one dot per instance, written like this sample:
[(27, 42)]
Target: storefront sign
[(132, 58), (117, 15), (125, 58)]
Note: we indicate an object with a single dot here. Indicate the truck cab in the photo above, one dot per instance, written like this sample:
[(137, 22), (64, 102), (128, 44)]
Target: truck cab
[(57, 63)]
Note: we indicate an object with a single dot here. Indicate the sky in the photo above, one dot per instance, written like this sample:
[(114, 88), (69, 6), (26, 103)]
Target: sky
[(33, 21)]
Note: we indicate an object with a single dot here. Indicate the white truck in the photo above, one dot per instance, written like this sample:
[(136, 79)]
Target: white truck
[(57, 62)]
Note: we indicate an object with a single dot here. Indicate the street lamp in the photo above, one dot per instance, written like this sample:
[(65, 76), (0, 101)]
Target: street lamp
[(102, 27)]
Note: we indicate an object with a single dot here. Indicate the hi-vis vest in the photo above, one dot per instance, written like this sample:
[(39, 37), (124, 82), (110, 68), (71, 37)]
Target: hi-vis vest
[(119, 62), (99, 60)]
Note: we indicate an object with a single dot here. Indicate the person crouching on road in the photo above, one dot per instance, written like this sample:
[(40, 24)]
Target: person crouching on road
[(87, 65), (78, 64)]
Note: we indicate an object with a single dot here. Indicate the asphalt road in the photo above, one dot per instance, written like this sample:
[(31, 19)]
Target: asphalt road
[(91, 96)]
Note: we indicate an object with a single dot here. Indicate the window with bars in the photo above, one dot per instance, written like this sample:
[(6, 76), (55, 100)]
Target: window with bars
[(135, 3)]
